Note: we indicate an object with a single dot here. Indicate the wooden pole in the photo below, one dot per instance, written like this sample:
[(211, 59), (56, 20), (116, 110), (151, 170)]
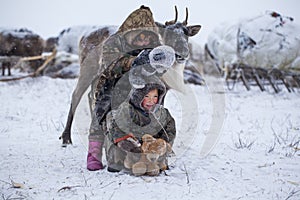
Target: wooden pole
[(38, 71)]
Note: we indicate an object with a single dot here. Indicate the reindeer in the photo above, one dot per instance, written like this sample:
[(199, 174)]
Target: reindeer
[(173, 33)]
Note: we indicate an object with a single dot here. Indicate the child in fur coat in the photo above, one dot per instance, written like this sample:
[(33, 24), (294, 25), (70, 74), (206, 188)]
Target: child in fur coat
[(141, 114)]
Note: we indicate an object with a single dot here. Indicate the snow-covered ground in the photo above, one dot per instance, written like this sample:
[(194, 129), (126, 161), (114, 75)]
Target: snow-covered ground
[(256, 155)]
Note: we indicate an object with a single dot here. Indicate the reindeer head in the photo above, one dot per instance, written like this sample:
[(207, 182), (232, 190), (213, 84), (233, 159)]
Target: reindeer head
[(175, 34)]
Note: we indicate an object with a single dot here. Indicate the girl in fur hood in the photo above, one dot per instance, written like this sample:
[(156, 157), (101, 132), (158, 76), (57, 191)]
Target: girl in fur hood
[(141, 114)]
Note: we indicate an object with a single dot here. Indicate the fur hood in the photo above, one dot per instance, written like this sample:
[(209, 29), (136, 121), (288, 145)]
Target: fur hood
[(152, 82), (138, 22)]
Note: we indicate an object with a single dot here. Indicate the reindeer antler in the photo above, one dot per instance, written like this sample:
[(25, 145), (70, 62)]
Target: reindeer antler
[(186, 17), (173, 21)]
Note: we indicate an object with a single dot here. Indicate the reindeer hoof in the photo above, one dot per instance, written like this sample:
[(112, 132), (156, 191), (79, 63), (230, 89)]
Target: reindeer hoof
[(66, 139)]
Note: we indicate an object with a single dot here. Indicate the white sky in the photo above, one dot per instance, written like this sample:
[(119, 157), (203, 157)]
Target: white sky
[(49, 17)]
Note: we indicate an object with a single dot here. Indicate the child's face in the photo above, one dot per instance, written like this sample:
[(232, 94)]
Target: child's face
[(150, 99), (142, 40)]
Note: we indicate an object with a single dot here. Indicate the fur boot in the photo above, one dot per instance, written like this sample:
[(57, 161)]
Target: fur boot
[(94, 157)]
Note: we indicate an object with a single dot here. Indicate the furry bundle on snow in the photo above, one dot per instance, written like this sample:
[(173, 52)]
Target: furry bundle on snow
[(153, 157)]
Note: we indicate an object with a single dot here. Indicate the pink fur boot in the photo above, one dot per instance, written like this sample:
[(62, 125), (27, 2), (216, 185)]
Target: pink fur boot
[(94, 157)]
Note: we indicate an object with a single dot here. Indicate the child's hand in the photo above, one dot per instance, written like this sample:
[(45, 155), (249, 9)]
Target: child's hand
[(134, 141), (128, 145)]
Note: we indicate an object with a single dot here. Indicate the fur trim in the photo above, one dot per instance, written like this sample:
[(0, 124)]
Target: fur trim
[(153, 82)]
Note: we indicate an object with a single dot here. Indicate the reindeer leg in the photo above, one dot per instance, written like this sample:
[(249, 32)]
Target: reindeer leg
[(81, 87), (9, 73), (4, 65), (66, 135)]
